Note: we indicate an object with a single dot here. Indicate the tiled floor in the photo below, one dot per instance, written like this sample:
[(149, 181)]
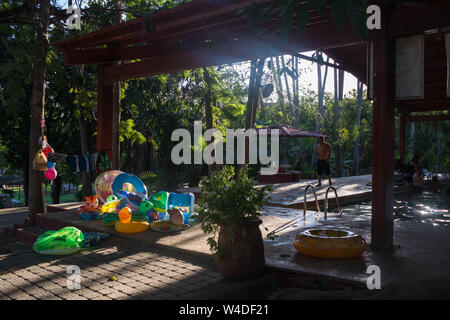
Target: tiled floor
[(141, 272)]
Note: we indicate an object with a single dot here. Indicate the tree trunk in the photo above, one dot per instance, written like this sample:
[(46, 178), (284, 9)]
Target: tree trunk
[(338, 154), (411, 140), (209, 111), (321, 88), (288, 92), (257, 96), (25, 185), (295, 87), (341, 84), (35, 192), (78, 83), (85, 176), (56, 190), (280, 83), (358, 124), (277, 83), (438, 144), (251, 93), (256, 74)]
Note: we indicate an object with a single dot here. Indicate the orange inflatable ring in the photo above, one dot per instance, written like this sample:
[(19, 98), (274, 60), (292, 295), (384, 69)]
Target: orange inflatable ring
[(329, 243), (131, 227)]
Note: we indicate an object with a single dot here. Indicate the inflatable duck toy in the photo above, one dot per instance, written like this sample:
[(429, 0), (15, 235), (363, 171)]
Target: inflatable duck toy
[(125, 225)]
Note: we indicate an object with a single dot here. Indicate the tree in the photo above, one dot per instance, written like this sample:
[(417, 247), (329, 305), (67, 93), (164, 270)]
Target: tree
[(358, 125), (36, 201)]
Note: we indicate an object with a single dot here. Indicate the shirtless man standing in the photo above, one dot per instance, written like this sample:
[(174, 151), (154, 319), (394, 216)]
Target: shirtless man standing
[(323, 155)]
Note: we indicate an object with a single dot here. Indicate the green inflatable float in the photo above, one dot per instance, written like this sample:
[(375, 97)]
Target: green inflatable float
[(65, 241)]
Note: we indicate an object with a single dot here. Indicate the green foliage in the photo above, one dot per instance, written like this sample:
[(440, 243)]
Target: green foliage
[(287, 12), (229, 198)]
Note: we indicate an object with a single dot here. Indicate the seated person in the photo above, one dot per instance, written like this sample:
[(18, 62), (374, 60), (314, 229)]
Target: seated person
[(410, 169)]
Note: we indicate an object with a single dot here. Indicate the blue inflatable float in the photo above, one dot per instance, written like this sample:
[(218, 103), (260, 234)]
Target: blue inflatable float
[(132, 179)]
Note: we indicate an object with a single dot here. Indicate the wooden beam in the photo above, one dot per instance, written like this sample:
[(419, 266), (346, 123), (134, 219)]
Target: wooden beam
[(412, 20), (162, 21), (430, 117), (163, 43), (104, 113), (383, 135), (427, 105), (239, 50), (111, 54)]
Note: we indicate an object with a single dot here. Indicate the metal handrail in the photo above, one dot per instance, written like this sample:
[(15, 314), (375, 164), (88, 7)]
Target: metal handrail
[(293, 221), (304, 200), (326, 201)]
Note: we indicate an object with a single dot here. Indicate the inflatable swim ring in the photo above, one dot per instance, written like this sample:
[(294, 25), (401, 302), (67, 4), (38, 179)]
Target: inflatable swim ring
[(111, 218), (329, 243), (129, 178), (131, 227), (167, 226), (91, 215), (103, 184)]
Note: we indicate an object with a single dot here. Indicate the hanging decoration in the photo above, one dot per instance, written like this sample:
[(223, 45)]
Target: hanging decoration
[(40, 161), (103, 163)]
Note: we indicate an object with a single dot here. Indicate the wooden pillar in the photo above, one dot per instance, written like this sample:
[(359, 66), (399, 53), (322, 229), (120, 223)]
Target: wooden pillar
[(402, 137), (104, 113), (383, 135)]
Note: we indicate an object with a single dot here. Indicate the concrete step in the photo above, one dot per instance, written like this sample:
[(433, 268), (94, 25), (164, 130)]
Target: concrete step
[(257, 288), (28, 235)]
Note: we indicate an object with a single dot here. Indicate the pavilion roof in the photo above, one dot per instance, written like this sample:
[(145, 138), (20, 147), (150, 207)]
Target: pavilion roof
[(287, 131), (205, 33)]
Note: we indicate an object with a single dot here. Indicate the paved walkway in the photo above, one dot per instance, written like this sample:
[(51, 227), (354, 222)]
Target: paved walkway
[(141, 272)]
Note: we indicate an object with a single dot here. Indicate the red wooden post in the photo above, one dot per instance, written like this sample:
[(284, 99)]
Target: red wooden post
[(383, 135), (104, 113)]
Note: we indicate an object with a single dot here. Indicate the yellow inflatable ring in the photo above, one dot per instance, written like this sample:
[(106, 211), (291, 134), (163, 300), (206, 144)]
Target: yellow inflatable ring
[(131, 227), (329, 243)]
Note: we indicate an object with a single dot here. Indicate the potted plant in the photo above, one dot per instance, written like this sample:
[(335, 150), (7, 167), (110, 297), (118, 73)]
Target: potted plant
[(229, 210)]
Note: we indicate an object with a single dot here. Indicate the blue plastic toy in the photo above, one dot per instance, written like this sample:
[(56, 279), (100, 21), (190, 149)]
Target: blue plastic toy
[(132, 179)]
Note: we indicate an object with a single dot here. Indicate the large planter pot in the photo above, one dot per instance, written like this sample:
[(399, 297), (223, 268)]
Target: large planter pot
[(241, 254)]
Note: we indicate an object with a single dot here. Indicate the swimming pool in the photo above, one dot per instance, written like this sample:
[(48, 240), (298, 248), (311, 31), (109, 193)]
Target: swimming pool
[(426, 207)]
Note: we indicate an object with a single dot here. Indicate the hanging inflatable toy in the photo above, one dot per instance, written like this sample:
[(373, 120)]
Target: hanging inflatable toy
[(65, 241), (40, 161), (50, 173), (103, 184), (126, 179), (125, 225), (91, 209)]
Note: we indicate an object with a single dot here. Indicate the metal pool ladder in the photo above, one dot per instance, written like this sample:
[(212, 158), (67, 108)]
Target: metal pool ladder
[(293, 221), (315, 197), (326, 202)]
